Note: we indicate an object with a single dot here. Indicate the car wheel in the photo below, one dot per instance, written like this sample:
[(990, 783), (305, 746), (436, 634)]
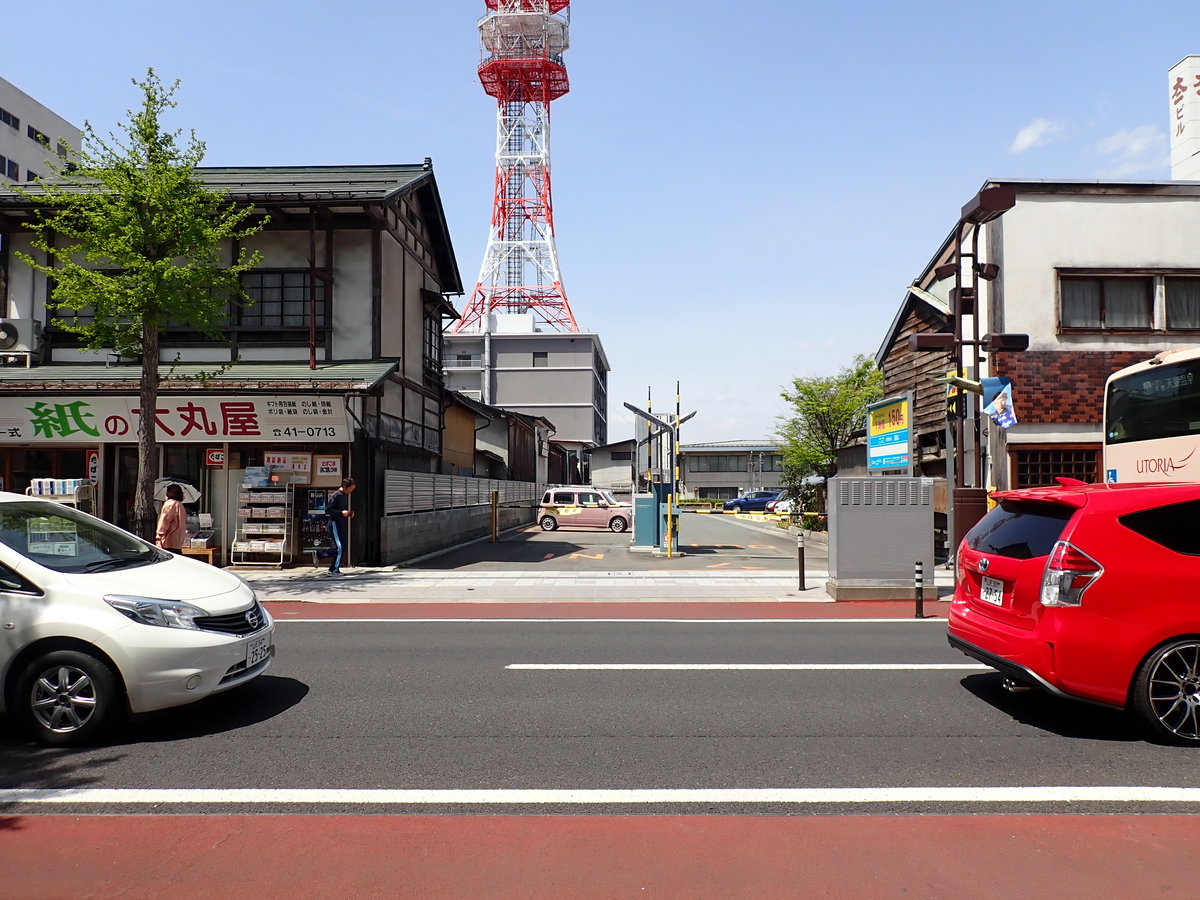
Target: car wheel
[(617, 525), (1166, 692), (548, 523), (67, 697)]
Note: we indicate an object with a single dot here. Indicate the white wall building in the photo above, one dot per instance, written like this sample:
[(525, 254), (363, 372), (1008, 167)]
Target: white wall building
[(29, 135), (1100, 275), (611, 468)]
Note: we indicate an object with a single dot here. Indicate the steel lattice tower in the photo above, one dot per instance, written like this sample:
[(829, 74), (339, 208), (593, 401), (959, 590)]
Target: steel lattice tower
[(523, 45)]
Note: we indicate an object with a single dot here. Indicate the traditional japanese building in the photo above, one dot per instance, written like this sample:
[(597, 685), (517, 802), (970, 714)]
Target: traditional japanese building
[(334, 370)]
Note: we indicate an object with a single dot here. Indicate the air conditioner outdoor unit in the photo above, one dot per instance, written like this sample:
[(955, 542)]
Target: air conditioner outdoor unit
[(20, 336)]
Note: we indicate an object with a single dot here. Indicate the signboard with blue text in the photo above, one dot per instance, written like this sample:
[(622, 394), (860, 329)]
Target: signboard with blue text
[(889, 435)]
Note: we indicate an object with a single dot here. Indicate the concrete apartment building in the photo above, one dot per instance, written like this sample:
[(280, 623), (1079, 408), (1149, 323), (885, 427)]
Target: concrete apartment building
[(561, 376), (30, 134)]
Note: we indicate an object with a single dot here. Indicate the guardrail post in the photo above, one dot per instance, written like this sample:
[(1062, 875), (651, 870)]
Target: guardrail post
[(920, 579)]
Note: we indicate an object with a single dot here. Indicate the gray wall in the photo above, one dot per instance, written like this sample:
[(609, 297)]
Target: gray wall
[(409, 536)]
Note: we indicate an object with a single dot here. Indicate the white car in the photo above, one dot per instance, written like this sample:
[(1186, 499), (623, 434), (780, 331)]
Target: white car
[(96, 623), (783, 507)]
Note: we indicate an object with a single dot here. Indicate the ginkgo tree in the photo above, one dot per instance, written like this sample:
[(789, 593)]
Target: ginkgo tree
[(133, 242), (823, 412)]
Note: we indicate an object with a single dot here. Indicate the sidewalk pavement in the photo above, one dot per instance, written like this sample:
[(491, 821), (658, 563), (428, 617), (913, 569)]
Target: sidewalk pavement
[(427, 586)]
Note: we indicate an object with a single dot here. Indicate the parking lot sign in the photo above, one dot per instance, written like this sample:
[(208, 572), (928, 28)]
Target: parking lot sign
[(889, 435)]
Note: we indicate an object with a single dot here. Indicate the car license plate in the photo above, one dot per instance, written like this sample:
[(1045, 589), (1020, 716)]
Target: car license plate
[(257, 650), (992, 591)]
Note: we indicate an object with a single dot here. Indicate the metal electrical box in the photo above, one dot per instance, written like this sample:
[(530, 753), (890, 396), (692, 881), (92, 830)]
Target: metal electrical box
[(878, 529)]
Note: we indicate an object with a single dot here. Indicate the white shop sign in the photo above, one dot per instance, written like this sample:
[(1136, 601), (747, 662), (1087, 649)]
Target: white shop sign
[(1184, 85), (189, 419)]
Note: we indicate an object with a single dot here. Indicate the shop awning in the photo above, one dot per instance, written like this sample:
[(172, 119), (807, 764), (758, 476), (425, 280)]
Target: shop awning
[(340, 378)]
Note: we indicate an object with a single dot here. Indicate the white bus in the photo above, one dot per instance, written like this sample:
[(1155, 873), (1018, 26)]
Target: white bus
[(1152, 420)]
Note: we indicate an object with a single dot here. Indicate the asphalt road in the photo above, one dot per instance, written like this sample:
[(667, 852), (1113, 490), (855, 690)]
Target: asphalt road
[(708, 542), (435, 706)]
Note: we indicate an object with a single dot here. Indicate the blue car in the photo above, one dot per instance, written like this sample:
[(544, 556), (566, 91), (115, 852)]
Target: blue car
[(755, 501)]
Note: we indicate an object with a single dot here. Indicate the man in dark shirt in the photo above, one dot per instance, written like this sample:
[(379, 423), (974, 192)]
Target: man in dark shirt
[(339, 513)]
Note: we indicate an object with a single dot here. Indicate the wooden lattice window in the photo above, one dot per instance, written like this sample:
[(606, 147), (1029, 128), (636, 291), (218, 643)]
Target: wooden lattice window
[(1037, 466)]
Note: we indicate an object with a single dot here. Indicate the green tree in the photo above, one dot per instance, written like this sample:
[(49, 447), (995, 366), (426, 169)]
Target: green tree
[(133, 243), (823, 411)]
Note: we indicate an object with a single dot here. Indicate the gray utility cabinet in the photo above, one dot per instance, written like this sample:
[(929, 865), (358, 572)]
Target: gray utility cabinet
[(878, 528)]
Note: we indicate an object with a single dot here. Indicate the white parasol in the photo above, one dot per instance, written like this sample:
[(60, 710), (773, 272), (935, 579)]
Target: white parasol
[(190, 494)]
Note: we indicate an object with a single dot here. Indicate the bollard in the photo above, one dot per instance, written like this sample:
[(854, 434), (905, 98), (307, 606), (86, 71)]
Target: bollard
[(495, 516), (920, 579), (800, 556)]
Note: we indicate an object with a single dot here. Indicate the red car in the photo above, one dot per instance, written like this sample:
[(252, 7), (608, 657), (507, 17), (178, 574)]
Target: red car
[(1090, 592)]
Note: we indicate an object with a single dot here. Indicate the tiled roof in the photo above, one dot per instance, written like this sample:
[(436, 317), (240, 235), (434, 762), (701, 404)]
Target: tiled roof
[(337, 377)]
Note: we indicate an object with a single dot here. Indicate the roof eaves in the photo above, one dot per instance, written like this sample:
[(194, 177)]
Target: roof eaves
[(912, 293), (447, 262), (480, 409)]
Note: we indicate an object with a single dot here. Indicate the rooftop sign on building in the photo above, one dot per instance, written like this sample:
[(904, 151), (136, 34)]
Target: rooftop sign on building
[(1184, 87)]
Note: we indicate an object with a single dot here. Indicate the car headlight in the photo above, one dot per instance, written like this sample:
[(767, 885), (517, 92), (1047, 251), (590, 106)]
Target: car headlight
[(164, 613)]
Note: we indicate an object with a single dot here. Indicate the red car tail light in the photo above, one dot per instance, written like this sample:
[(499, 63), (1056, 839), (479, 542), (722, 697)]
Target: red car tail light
[(1069, 572)]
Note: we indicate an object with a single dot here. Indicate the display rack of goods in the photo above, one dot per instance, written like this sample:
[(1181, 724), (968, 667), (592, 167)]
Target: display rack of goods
[(266, 517)]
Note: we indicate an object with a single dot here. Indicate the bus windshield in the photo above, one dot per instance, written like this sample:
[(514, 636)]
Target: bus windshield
[(1160, 403)]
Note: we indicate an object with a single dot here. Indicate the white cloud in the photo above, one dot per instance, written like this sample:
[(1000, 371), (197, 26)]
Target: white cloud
[(1036, 133), (1133, 150)]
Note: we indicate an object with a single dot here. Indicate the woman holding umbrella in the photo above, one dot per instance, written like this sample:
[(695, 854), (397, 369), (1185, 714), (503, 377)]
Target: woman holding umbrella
[(172, 521)]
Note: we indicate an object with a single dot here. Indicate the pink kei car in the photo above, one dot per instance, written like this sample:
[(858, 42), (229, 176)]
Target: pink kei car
[(581, 507)]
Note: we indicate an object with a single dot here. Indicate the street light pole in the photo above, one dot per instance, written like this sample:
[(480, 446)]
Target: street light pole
[(970, 500)]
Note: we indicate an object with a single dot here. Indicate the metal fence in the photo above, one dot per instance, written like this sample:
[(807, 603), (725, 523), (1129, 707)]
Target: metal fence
[(409, 492)]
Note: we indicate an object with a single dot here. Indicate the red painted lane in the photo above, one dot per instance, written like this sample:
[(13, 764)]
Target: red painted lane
[(589, 858), (601, 610)]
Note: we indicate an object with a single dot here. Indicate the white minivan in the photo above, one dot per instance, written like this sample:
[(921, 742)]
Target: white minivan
[(96, 623)]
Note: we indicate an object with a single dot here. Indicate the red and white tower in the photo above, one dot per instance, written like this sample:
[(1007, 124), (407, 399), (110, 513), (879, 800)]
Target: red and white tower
[(522, 67)]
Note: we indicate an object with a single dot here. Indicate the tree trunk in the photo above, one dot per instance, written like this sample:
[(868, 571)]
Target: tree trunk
[(145, 519)]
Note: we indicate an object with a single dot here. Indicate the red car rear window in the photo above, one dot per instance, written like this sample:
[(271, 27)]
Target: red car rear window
[(1020, 530)]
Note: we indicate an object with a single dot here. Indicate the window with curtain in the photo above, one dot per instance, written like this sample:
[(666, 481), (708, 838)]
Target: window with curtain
[(1183, 303), (1099, 303)]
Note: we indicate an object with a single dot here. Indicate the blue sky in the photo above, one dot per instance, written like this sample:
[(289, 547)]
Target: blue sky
[(742, 191)]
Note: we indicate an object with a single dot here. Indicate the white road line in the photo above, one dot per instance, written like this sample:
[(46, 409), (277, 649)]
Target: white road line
[(791, 796), (283, 620), (750, 667)]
